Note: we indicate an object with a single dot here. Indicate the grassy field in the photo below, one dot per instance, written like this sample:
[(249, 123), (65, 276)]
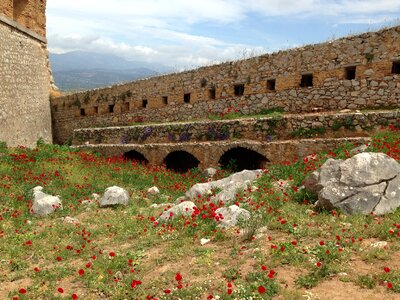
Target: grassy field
[(288, 250)]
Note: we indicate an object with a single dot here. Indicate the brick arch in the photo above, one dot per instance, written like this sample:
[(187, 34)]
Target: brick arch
[(238, 158), (135, 155), (181, 161)]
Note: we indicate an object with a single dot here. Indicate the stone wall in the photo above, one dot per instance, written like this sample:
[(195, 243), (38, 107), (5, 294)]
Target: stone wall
[(268, 129), (25, 113), (209, 153), (31, 14), (350, 73)]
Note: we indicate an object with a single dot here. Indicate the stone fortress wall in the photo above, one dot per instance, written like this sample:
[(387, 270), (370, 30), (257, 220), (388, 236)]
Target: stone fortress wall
[(25, 77), (355, 72)]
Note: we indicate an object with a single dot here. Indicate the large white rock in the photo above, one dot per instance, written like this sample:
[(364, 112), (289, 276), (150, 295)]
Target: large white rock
[(231, 215), (365, 183), (228, 186), (114, 195), (44, 204)]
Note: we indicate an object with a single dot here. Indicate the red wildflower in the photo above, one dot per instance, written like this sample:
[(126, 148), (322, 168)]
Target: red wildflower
[(22, 291), (135, 283), (178, 277), (81, 272), (261, 289), (386, 269), (60, 290)]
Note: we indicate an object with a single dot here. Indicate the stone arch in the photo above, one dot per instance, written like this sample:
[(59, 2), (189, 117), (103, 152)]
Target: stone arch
[(135, 156), (240, 158), (181, 161)]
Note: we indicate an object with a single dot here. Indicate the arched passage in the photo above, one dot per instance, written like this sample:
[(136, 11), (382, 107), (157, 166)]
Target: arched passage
[(135, 156), (239, 158), (181, 161)]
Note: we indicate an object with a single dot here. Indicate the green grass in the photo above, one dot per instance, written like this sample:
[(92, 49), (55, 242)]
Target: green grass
[(44, 254)]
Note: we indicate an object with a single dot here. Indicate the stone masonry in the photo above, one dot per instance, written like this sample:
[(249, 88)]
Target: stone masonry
[(25, 77), (355, 72)]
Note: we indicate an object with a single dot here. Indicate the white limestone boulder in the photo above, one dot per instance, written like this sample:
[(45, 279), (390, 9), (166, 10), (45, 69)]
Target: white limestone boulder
[(44, 204), (114, 195)]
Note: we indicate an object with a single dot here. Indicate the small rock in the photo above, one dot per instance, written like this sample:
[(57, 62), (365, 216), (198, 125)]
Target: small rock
[(44, 204), (153, 191), (87, 202), (380, 245), (185, 208), (204, 241), (210, 172), (70, 220), (155, 205), (113, 196)]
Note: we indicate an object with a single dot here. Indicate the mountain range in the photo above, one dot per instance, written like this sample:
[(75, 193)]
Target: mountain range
[(79, 70)]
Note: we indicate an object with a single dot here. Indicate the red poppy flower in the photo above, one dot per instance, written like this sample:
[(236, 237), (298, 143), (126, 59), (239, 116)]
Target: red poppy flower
[(81, 272), (178, 277), (261, 289), (22, 291)]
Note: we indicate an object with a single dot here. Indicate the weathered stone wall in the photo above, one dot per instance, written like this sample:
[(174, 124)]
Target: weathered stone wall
[(210, 153), (30, 14), (24, 75), (212, 89), (256, 129)]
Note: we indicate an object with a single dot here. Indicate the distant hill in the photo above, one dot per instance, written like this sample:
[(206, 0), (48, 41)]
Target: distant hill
[(80, 70)]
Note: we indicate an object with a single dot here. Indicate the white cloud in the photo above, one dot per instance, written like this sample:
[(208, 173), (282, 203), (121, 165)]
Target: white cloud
[(162, 30)]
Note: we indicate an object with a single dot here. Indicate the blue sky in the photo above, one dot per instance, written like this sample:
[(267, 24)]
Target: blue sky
[(184, 34)]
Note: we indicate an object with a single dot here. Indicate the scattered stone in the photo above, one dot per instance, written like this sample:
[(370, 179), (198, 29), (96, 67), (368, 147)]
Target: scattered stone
[(231, 215), (185, 208), (44, 204), (210, 172), (114, 196), (380, 245), (88, 202), (70, 220), (161, 205), (228, 186), (153, 191), (261, 232), (282, 184), (365, 183), (204, 241)]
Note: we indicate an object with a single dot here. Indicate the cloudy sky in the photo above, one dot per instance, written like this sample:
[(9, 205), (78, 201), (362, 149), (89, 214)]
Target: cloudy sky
[(188, 33)]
